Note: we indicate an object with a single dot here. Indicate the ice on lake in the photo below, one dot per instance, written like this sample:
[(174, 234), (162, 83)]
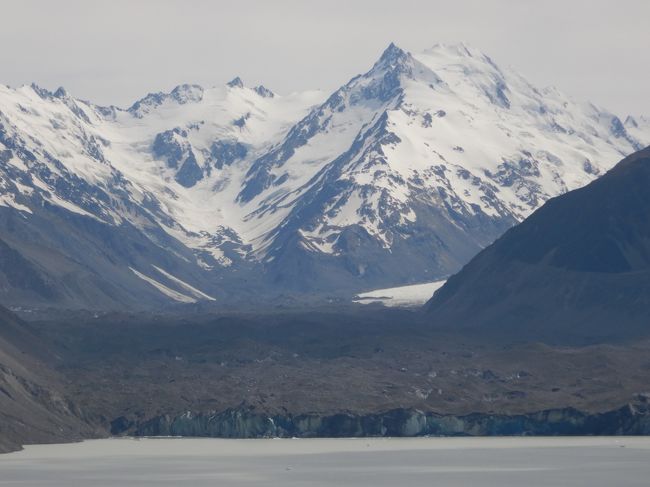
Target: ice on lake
[(450, 462)]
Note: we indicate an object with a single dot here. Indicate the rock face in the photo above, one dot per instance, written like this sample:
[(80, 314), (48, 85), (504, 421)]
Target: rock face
[(399, 176), (579, 264), (243, 423)]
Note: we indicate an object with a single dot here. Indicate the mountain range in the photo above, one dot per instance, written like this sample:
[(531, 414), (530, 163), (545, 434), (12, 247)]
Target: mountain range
[(400, 176)]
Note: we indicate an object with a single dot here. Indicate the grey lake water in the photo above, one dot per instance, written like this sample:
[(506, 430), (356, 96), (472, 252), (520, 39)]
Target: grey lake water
[(503, 462)]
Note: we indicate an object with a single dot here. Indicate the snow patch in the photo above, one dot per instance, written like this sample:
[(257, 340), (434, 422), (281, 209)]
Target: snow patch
[(170, 293), (192, 290), (402, 296), (9, 201)]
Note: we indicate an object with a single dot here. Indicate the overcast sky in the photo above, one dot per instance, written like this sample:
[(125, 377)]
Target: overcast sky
[(115, 51)]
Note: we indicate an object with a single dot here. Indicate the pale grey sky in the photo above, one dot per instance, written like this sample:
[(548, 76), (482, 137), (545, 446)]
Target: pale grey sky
[(115, 51)]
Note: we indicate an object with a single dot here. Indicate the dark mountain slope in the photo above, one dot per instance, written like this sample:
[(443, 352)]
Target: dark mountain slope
[(32, 409), (579, 265), (74, 261)]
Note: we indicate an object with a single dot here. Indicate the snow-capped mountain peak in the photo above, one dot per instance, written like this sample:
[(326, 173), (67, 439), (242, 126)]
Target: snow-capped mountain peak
[(235, 83), (442, 140), (263, 91), (393, 57), (181, 94)]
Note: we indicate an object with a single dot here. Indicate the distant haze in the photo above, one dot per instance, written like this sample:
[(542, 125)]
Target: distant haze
[(115, 52)]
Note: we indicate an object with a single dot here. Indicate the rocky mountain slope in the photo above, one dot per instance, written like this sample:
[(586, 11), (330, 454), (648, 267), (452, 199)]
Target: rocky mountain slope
[(580, 264), (32, 406), (399, 176)]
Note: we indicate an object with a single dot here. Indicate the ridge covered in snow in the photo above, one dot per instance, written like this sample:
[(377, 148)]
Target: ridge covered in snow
[(399, 176)]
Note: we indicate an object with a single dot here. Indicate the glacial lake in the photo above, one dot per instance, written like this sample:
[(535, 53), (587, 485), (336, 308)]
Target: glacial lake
[(448, 462)]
